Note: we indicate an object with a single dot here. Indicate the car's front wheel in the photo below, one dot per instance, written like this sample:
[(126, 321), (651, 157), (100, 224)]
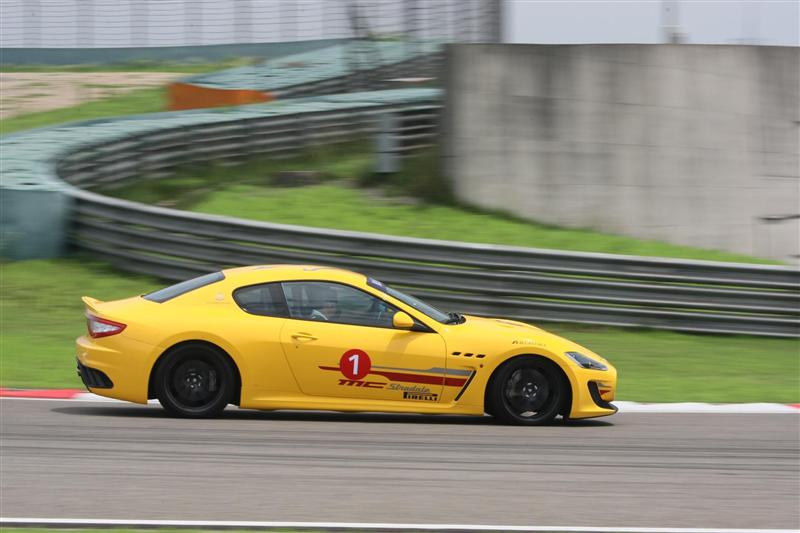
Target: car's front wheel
[(528, 391), (195, 381)]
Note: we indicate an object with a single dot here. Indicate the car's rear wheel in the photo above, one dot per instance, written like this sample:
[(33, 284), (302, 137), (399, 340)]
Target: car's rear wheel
[(528, 391), (195, 381)]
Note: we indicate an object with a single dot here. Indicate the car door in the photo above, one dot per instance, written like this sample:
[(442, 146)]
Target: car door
[(340, 342)]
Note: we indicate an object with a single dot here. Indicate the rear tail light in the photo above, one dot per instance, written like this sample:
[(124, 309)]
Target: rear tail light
[(102, 327)]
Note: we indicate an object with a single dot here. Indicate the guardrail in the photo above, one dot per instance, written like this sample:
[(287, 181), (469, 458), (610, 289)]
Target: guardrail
[(151, 154), (520, 283)]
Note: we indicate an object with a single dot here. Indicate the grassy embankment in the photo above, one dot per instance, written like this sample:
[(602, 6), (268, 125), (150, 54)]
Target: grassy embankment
[(137, 101), (148, 530), (142, 65)]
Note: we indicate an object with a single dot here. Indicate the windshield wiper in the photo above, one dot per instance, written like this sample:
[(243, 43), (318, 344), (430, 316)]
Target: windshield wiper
[(455, 318)]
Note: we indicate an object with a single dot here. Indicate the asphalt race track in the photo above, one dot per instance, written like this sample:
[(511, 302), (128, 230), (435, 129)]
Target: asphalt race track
[(112, 460)]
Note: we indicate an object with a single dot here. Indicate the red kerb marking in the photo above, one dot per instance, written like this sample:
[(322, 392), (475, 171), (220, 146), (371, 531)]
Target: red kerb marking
[(53, 394)]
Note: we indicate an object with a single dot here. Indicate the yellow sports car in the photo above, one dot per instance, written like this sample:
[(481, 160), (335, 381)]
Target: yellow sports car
[(308, 337)]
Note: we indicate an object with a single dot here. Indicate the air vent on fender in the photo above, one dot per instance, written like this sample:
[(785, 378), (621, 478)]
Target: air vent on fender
[(469, 354)]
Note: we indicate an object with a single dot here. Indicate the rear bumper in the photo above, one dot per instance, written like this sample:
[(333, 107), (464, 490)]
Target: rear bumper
[(93, 378), (116, 367)]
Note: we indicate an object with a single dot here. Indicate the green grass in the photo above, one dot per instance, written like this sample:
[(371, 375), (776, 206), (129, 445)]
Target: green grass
[(191, 185), (671, 367), (41, 315), (350, 208), (138, 101), (142, 65), (148, 530)]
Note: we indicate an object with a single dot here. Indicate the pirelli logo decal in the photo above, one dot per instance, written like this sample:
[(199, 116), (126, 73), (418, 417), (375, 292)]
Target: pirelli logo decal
[(423, 397)]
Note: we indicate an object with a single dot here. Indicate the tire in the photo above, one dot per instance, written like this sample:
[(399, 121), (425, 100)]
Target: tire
[(528, 391), (195, 381)]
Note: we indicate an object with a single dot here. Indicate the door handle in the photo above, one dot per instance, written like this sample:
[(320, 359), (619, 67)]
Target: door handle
[(303, 337)]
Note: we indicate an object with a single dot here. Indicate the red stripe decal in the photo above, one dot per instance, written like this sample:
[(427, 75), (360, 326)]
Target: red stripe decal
[(413, 378)]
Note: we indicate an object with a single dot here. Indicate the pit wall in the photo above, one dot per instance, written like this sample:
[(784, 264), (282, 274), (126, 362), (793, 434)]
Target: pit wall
[(694, 145)]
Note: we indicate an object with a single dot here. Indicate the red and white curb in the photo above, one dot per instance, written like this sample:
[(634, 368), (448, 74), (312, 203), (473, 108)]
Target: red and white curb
[(78, 395), (67, 523)]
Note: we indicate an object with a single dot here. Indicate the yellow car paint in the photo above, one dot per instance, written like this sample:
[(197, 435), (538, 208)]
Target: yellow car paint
[(289, 363)]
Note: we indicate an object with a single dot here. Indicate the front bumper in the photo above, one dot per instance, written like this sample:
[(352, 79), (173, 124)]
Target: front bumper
[(597, 393), (593, 391)]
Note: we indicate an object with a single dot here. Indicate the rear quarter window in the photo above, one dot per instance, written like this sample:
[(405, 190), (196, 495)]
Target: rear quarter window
[(266, 300), (168, 293)]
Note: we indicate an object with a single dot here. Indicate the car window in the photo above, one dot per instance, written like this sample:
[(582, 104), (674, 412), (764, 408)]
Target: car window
[(173, 291), (333, 302), (416, 303), (265, 299)]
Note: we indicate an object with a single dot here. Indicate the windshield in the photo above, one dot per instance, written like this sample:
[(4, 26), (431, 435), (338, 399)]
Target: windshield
[(416, 303)]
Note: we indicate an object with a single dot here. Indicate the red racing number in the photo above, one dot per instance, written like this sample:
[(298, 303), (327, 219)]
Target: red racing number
[(355, 364)]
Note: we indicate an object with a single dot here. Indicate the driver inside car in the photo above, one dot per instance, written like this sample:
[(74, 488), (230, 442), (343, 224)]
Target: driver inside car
[(326, 308)]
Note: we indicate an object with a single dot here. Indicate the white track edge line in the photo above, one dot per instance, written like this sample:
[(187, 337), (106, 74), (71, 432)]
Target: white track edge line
[(331, 526)]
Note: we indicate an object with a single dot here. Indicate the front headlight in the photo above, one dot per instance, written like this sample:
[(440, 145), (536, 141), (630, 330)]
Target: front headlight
[(586, 362)]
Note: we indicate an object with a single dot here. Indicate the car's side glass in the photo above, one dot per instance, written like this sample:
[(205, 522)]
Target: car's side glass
[(333, 302), (173, 291), (265, 299)]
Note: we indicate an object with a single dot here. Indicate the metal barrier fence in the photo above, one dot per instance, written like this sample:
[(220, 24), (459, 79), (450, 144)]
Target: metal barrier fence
[(521, 283), (151, 154)]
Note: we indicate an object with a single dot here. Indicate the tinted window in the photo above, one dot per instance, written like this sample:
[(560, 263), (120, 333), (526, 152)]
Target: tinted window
[(183, 287), (264, 300), (407, 299), (332, 302)]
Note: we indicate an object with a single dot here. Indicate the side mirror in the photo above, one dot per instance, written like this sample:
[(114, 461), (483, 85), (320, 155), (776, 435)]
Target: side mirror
[(401, 320)]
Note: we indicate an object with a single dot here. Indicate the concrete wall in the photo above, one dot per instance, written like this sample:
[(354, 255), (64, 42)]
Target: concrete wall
[(687, 144)]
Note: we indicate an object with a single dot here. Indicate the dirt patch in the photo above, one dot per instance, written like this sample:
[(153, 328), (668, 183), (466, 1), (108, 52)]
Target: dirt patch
[(29, 92)]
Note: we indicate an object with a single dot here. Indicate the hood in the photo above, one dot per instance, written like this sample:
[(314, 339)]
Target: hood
[(498, 335)]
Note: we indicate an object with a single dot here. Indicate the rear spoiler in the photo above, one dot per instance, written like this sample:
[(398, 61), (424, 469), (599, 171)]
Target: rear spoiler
[(91, 303)]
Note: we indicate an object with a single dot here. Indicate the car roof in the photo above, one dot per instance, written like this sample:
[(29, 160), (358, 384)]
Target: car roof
[(270, 273)]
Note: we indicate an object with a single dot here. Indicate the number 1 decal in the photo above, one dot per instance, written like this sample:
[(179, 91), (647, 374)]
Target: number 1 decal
[(354, 359), (355, 364)]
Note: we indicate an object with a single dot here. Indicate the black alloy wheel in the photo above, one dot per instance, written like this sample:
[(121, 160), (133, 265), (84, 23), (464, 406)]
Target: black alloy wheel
[(195, 381), (528, 391)]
